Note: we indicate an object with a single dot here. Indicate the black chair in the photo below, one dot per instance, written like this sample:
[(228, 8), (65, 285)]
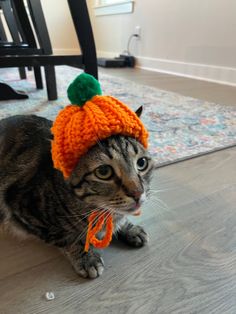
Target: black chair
[(5, 6), (3, 36), (28, 53)]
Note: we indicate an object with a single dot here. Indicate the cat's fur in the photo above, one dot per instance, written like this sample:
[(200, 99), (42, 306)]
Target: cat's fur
[(35, 198)]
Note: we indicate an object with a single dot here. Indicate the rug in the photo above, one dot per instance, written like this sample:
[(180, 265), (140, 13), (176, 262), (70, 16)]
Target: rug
[(180, 127)]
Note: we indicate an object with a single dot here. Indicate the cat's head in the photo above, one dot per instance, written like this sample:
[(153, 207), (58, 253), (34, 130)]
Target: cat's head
[(114, 174)]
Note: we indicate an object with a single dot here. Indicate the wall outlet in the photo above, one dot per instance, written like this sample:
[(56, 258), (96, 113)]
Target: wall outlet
[(137, 31)]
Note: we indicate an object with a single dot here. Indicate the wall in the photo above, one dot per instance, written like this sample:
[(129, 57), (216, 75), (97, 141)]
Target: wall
[(189, 37), (60, 27)]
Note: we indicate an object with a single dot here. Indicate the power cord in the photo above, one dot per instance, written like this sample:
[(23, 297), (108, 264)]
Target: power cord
[(127, 51)]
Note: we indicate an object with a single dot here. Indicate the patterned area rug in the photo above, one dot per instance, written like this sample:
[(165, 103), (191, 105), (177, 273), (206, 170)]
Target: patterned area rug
[(180, 127)]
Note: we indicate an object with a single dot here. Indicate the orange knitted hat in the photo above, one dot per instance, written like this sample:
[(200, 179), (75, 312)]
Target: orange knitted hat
[(90, 118)]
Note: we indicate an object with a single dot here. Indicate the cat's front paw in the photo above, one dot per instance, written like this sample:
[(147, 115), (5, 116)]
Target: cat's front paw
[(89, 265), (135, 236)]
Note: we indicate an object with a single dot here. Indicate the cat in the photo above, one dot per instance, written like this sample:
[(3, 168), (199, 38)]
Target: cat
[(35, 199)]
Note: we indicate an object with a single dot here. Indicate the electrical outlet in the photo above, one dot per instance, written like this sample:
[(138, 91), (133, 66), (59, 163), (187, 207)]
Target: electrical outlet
[(137, 31)]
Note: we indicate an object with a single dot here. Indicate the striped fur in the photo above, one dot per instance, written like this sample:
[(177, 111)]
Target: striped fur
[(35, 198)]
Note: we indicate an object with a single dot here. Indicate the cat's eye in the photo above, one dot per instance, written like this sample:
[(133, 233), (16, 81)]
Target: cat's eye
[(104, 172), (142, 163)]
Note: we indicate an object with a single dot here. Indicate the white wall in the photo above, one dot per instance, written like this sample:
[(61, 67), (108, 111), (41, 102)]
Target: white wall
[(189, 37), (60, 27)]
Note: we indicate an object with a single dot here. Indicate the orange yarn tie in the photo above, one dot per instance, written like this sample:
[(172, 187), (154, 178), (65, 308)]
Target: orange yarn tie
[(95, 228)]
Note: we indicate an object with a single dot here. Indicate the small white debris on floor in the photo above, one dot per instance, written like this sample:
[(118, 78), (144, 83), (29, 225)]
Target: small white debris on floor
[(50, 296)]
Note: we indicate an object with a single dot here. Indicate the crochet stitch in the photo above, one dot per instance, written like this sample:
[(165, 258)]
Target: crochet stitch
[(90, 118)]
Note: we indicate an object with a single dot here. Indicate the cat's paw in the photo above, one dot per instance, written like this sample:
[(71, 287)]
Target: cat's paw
[(90, 265), (135, 236)]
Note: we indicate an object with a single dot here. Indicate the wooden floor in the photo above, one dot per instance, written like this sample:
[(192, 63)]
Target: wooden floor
[(189, 265)]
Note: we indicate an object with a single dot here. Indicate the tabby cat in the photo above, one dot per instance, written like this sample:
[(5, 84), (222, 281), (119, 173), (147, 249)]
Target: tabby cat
[(34, 197)]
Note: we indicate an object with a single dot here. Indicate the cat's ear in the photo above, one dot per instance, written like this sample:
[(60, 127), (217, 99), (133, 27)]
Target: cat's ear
[(139, 111)]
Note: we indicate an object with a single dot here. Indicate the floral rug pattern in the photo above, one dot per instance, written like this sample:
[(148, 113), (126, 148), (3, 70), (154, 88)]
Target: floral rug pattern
[(180, 127)]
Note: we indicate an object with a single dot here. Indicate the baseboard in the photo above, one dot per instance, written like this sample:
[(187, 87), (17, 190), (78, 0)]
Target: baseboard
[(67, 51), (205, 72), (107, 54), (210, 73), (76, 51)]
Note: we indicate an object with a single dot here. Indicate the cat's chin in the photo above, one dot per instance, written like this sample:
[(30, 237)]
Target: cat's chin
[(137, 212), (134, 211)]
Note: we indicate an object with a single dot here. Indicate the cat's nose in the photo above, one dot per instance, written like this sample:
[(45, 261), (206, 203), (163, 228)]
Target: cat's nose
[(137, 195)]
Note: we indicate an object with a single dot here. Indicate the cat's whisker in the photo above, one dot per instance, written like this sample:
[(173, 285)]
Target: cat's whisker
[(85, 215), (162, 190), (76, 215), (160, 210), (158, 201), (83, 234)]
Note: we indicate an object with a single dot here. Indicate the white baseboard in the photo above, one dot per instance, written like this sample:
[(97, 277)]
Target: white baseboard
[(67, 51), (205, 72), (107, 54)]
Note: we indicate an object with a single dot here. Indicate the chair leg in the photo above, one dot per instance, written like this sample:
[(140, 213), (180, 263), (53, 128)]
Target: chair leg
[(22, 73), (38, 77), (51, 82), (83, 28)]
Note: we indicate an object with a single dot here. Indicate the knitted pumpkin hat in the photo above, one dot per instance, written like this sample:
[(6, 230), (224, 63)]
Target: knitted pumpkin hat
[(89, 118)]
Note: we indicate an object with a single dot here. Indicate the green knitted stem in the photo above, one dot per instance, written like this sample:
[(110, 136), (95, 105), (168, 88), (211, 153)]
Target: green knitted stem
[(83, 88)]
